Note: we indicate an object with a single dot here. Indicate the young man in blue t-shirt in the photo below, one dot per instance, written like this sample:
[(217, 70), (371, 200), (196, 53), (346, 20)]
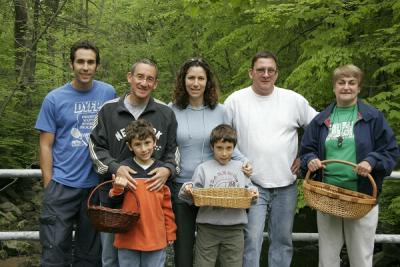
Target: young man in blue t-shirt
[(64, 122)]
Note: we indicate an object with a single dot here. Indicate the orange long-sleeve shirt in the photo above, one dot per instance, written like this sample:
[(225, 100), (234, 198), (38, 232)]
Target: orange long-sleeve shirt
[(156, 225)]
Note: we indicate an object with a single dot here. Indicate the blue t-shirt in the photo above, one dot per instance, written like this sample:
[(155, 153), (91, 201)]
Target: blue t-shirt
[(69, 114)]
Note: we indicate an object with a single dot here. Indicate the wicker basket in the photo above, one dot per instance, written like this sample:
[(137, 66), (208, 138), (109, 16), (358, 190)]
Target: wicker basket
[(336, 200), (111, 220), (230, 197)]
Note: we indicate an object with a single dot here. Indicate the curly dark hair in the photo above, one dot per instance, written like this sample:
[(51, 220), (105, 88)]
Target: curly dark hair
[(140, 129), (181, 97)]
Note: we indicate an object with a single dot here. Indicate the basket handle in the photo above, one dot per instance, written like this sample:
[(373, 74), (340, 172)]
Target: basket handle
[(107, 182), (371, 179)]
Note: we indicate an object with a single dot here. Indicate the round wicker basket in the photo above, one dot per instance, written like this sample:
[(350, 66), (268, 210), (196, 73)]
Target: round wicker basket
[(239, 198), (338, 201), (111, 220)]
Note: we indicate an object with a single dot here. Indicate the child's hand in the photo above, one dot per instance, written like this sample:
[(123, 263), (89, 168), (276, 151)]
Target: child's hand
[(189, 189), (122, 182), (247, 169)]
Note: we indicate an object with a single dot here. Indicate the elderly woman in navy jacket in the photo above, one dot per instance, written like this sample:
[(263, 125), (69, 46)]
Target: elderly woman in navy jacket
[(349, 130)]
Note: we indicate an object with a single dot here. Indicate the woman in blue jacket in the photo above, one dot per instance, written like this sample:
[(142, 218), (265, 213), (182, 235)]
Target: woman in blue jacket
[(349, 130)]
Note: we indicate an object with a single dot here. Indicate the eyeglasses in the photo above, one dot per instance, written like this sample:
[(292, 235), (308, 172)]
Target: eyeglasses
[(270, 71), (142, 78)]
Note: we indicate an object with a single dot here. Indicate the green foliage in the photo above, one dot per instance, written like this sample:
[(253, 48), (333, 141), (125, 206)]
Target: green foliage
[(389, 206), (301, 203), (310, 37), (389, 103)]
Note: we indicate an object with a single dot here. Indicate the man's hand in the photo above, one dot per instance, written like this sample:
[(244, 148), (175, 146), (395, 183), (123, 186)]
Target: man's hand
[(247, 169), (363, 168), (314, 164), (160, 176), (125, 172), (295, 166), (46, 156)]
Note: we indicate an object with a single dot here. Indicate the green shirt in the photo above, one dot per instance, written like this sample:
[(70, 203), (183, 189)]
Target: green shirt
[(340, 145)]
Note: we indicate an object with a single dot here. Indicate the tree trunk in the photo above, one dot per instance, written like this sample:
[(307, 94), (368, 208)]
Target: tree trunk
[(20, 33), (52, 6)]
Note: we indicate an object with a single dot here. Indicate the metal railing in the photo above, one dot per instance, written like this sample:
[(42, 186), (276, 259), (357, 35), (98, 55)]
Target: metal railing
[(34, 235)]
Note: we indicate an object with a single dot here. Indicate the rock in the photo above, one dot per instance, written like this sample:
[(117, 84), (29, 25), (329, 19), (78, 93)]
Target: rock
[(28, 195), (8, 216), (10, 192), (4, 221), (21, 224), (3, 254), (3, 199), (25, 207), (37, 199), (10, 207), (14, 247), (32, 219), (37, 187)]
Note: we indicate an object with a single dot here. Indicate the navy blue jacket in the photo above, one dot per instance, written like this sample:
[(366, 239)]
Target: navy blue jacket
[(375, 143)]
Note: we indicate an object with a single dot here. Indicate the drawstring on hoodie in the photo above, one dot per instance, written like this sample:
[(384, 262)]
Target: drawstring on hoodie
[(204, 126)]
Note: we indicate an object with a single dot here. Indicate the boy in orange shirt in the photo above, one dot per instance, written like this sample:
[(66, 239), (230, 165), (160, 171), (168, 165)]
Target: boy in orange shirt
[(144, 244)]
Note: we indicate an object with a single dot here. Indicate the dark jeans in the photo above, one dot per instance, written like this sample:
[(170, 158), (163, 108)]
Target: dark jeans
[(185, 219), (64, 206)]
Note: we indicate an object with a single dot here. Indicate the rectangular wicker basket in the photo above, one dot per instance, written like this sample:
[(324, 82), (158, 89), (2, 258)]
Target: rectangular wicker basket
[(239, 198)]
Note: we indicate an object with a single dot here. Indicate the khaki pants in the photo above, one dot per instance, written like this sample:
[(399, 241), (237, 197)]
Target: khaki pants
[(219, 242), (358, 235)]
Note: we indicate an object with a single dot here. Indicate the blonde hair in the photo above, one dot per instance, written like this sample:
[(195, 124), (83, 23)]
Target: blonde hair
[(348, 70)]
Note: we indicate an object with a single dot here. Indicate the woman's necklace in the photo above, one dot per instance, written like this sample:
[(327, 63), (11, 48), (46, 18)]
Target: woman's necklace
[(350, 119)]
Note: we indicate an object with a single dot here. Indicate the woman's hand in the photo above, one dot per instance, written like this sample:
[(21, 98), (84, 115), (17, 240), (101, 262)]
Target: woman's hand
[(247, 169), (254, 194), (363, 168), (315, 164)]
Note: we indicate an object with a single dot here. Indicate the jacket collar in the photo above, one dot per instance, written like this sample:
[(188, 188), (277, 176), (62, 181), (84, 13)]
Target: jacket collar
[(121, 106), (364, 113)]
